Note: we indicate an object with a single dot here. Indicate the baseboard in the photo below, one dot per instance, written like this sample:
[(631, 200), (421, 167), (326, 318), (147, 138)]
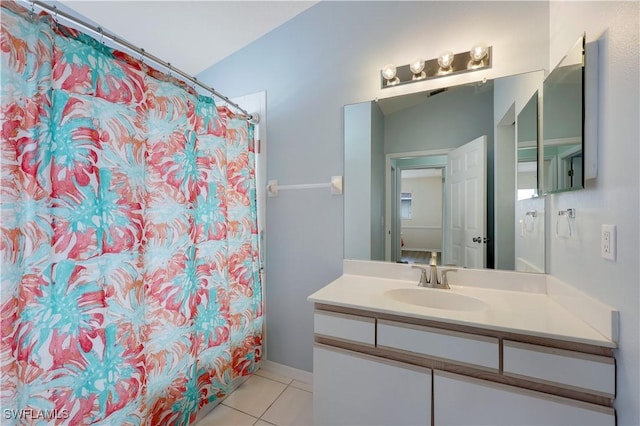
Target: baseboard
[(285, 370)]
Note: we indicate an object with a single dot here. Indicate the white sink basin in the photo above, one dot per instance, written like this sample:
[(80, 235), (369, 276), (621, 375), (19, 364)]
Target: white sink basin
[(436, 298)]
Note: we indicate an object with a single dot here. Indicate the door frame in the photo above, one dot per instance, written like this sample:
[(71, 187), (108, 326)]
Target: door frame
[(389, 191)]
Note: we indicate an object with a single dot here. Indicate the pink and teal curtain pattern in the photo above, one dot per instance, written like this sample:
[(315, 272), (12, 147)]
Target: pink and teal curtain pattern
[(130, 291)]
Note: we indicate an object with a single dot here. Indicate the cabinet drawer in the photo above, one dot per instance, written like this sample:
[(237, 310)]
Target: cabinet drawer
[(345, 327), (575, 369), (443, 344)]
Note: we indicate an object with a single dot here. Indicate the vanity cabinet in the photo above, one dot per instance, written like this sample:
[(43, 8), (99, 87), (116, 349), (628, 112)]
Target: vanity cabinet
[(379, 368), (461, 400), (350, 388)]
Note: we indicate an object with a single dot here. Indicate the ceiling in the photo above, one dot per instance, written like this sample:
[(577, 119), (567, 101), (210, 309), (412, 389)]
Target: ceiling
[(191, 35)]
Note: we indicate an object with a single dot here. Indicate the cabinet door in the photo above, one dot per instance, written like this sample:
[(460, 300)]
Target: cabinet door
[(355, 389), (460, 400)]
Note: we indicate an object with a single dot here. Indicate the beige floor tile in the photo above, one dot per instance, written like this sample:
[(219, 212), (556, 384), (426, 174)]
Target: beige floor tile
[(226, 416), (255, 395), (263, 423), (293, 407), (302, 385), (273, 376)]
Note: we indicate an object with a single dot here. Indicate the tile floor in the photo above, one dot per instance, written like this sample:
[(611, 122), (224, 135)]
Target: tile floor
[(265, 399)]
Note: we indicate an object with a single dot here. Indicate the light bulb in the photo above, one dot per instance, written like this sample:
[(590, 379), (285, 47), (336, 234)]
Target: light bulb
[(389, 71), (416, 66), (446, 59), (478, 52)]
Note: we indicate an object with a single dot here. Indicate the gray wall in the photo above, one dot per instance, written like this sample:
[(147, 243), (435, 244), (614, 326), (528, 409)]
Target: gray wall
[(327, 57), (510, 96), (447, 120), (357, 181), (364, 182), (377, 183)]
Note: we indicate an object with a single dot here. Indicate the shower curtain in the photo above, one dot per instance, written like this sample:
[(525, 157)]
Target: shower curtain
[(130, 290)]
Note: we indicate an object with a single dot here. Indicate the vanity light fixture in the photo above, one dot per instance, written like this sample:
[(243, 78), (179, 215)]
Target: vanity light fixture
[(417, 67), (445, 60), (448, 63), (389, 73), (478, 52)]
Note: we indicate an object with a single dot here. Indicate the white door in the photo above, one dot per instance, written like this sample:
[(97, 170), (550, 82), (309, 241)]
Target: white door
[(467, 183)]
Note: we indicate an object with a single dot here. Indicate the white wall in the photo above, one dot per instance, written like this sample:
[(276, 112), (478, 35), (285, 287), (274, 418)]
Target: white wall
[(613, 198), (424, 230), (530, 235), (329, 56)]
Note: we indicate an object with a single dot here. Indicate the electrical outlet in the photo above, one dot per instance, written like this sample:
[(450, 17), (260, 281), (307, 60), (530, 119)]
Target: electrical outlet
[(608, 242)]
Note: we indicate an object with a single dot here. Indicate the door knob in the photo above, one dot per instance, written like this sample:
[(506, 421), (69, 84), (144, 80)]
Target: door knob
[(477, 239)]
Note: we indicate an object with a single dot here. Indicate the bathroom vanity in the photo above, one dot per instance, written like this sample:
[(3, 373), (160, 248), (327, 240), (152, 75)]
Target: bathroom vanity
[(498, 348)]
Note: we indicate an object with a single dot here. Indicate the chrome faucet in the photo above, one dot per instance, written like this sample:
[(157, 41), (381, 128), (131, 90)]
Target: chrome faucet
[(430, 279), (445, 280), (424, 280)]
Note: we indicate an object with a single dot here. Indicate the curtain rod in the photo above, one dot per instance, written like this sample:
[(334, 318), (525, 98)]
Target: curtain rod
[(53, 10)]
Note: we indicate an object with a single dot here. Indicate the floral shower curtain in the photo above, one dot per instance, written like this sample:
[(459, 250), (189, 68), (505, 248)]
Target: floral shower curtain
[(130, 290)]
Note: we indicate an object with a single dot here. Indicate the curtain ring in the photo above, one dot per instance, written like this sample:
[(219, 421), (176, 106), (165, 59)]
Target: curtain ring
[(54, 22), (170, 69), (32, 12), (101, 35), (141, 58)]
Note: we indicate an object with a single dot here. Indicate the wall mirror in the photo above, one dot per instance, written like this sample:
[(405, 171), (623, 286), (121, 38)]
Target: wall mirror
[(563, 123), (530, 230), (407, 162), (527, 182)]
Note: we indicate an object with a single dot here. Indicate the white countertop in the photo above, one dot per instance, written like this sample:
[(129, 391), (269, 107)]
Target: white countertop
[(522, 312)]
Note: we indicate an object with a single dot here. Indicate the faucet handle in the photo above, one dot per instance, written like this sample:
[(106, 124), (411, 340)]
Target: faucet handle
[(444, 282), (423, 275)]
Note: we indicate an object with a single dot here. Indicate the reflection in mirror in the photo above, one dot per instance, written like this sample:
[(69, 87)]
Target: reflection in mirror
[(400, 154), (418, 233), (529, 240), (527, 150), (563, 129)]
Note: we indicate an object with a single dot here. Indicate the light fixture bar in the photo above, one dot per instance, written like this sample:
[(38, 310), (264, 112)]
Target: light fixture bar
[(462, 62)]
